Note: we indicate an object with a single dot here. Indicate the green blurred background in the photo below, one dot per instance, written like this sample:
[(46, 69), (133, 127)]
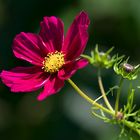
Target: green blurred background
[(66, 116)]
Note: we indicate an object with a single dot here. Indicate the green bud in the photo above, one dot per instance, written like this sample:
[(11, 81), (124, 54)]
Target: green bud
[(101, 59), (126, 70)]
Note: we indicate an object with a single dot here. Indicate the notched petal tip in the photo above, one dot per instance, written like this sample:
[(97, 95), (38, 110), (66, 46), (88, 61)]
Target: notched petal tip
[(83, 18), (24, 79), (4, 79), (52, 32), (76, 37)]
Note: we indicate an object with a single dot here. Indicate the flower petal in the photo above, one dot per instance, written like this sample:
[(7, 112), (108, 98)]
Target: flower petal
[(29, 47), (76, 37), (52, 33), (53, 85), (24, 79), (70, 68)]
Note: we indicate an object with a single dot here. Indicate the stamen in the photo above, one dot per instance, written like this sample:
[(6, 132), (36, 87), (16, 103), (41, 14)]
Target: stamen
[(53, 62)]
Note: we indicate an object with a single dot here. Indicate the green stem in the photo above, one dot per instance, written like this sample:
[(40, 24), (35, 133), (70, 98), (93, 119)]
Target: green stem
[(81, 93), (103, 91), (118, 96), (131, 126)]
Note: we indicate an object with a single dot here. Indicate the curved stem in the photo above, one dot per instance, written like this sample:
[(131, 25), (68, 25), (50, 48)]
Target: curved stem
[(118, 96), (81, 93), (103, 91)]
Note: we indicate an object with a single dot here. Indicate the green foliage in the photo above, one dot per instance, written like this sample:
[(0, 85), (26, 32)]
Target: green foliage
[(128, 116)]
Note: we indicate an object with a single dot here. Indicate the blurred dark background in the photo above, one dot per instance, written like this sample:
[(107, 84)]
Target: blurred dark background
[(66, 116)]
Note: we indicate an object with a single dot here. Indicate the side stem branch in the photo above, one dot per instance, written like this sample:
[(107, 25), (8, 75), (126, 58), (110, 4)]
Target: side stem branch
[(81, 93), (103, 92)]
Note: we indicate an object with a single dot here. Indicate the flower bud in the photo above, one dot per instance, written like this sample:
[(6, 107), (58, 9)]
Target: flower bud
[(102, 54), (101, 59), (126, 70), (119, 116), (127, 67)]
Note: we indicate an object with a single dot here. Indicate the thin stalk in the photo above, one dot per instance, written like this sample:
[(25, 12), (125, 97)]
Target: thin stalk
[(103, 91), (118, 96), (91, 101)]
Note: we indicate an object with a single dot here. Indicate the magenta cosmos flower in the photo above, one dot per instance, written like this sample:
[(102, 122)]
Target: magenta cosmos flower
[(54, 57)]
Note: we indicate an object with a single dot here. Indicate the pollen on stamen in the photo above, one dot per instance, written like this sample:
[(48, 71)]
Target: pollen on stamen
[(53, 62)]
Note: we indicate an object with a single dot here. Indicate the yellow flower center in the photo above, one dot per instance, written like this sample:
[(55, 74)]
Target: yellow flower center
[(53, 62)]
